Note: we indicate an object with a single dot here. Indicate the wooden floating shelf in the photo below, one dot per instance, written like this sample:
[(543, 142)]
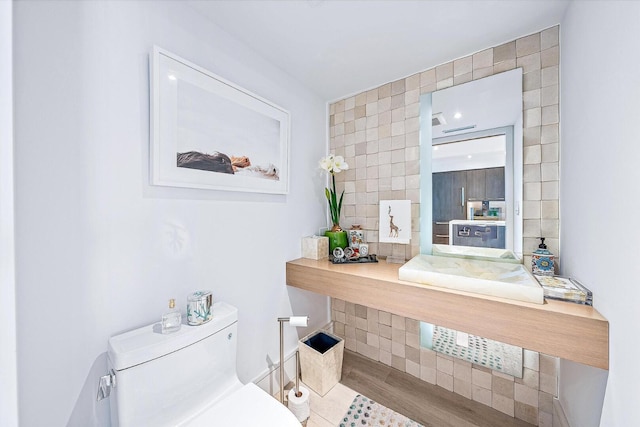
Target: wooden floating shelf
[(571, 331)]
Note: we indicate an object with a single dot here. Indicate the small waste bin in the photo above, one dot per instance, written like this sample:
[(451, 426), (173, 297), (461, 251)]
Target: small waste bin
[(321, 360)]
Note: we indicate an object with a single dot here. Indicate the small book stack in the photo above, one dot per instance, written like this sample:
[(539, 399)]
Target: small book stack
[(565, 289)]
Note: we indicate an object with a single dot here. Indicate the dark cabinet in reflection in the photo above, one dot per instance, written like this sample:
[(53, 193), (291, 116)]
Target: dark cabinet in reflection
[(448, 195), (494, 184), (485, 184), (451, 191)]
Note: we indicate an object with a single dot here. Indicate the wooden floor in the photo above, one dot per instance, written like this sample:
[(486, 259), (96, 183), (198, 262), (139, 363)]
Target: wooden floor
[(425, 403)]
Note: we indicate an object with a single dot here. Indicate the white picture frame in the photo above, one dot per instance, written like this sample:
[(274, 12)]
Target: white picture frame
[(209, 133), (395, 221)]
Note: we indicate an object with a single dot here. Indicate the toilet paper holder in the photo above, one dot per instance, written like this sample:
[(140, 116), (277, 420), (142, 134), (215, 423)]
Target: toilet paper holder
[(297, 321)]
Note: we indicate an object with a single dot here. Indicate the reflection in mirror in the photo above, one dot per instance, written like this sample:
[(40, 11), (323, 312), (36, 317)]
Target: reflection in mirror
[(472, 171)]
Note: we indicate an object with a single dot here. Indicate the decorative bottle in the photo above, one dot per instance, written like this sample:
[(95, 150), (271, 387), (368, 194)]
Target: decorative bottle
[(542, 261), (171, 320)]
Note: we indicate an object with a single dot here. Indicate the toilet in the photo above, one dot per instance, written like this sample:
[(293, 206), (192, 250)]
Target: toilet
[(187, 378)]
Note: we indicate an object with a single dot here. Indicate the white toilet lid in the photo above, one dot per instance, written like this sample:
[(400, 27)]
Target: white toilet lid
[(250, 406)]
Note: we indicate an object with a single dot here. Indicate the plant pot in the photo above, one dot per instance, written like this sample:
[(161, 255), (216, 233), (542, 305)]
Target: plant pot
[(337, 239)]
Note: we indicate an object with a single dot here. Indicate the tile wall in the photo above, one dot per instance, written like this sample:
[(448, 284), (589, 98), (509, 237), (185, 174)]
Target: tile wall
[(395, 341), (377, 132)]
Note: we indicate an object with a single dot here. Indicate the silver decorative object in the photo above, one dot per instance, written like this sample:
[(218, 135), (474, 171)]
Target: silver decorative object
[(199, 307)]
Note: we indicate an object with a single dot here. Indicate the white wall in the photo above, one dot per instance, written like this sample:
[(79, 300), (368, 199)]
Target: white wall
[(599, 198), (8, 374), (93, 249)]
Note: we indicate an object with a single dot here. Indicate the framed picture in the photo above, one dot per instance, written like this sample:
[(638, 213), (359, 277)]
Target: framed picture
[(395, 221), (209, 133)]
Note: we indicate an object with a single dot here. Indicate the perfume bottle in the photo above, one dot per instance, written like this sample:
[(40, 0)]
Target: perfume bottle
[(171, 320)]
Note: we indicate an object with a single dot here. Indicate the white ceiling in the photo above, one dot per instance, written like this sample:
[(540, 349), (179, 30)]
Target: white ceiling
[(339, 48)]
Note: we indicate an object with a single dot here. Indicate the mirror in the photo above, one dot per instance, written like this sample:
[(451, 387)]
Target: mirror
[(471, 164)]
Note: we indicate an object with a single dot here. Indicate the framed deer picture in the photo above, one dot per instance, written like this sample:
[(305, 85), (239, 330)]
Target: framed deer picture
[(395, 221), (209, 133)]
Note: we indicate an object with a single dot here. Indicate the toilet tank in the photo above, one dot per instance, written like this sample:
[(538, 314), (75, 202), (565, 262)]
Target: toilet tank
[(163, 380)]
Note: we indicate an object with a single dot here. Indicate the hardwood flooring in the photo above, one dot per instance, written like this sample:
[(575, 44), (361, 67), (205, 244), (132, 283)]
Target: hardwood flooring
[(425, 403)]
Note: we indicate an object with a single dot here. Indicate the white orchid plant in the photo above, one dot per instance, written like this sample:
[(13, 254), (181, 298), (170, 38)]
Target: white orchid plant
[(333, 165)]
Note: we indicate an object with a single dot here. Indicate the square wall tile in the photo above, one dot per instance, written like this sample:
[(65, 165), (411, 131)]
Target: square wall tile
[(529, 63), (531, 359), (384, 91), (412, 82), (483, 59), (444, 71), (372, 95), (412, 368), (549, 134), (398, 87), (526, 413), (428, 358), (428, 77), (503, 66), (445, 365), (531, 79), (532, 117), (550, 57), (550, 115), (550, 37), (549, 384), (461, 387), (550, 171), (398, 362), (462, 78), (503, 404), (385, 357), (428, 374), (481, 395), (550, 76), (530, 378), (462, 370), (504, 52), (525, 394), (462, 66), (502, 387), (480, 73), (548, 364), (550, 153), (528, 45), (444, 380), (481, 378)]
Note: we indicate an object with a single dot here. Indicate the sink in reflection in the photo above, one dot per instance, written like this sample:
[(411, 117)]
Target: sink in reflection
[(498, 279), (469, 252)]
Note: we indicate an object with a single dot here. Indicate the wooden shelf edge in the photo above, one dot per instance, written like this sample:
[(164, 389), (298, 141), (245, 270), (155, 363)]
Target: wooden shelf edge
[(570, 331)]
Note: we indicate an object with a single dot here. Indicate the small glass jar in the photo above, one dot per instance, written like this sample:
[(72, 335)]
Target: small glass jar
[(356, 236), (199, 308)]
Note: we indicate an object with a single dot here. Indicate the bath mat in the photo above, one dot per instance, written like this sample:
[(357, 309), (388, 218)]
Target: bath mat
[(365, 412)]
